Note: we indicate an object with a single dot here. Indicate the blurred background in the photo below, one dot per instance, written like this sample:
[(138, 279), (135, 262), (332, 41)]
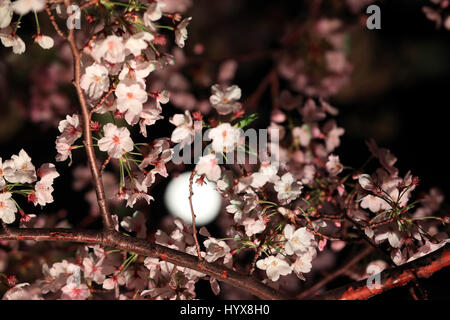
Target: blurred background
[(397, 93)]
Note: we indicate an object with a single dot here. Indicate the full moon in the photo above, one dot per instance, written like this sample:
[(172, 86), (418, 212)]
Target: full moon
[(206, 200)]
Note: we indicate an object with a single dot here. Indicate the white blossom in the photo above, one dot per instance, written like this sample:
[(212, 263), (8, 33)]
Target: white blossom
[(73, 291), (95, 81), (298, 241), (184, 132), (288, 188), (6, 13), (116, 141), (19, 169), (153, 13), (111, 49), (224, 137), (333, 165), (130, 97), (216, 249), (7, 208), (22, 7), (9, 39), (45, 42), (208, 165), (181, 32), (274, 266)]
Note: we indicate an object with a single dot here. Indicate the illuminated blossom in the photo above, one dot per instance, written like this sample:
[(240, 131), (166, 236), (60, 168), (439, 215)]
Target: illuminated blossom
[(181, 32), (116, 141), (7, 208), (224, 137), (95, 81), (288, 188), (275, 267), (208, 165)]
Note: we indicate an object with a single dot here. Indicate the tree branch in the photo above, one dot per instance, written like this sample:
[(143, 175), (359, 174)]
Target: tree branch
[(393, 277), (142, 247)]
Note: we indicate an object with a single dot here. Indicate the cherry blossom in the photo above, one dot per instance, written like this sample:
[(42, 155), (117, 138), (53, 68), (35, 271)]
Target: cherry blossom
[(135, 224), (275, 267), (288, 189), (22, 7), (333, 165), (7, 208), (302, 264), (45, 42), (136, 70), (333, 133), (298, 241), (116, 141), (254, 226), (6, 13), (72, 291), (225, 100), (70, 129), (19, 169), (280, 211), (224, 137), (208, 165), (2, 175), (216, 249), (302, 135), (95, 81), (93, 271), (111, 49), (130, 98), (118, 279), (181, 32), (64, 151), (267, 173), (393, 237), (184, 131), (149, 115), (153, 13), (138, 42), (9, 39)]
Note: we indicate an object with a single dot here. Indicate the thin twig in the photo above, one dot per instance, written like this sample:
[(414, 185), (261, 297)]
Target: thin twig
[(100, 103), (194, 228), (310, 291), (104, 165), (53, 21), (86, 121), (257, 255)]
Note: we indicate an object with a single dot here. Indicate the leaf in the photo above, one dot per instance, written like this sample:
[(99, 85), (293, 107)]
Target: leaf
[(248, 120)]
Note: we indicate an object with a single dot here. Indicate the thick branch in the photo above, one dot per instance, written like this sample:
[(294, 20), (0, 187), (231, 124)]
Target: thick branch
[(393, 277), (148, 249)]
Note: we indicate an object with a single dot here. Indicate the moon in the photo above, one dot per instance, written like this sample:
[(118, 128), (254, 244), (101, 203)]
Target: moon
[(206, 200)]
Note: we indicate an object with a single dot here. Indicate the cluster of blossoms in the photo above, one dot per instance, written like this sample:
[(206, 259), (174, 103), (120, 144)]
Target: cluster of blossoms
[(115, 69), (18, 176), (323, 50), (108, 274), (8, 29)]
